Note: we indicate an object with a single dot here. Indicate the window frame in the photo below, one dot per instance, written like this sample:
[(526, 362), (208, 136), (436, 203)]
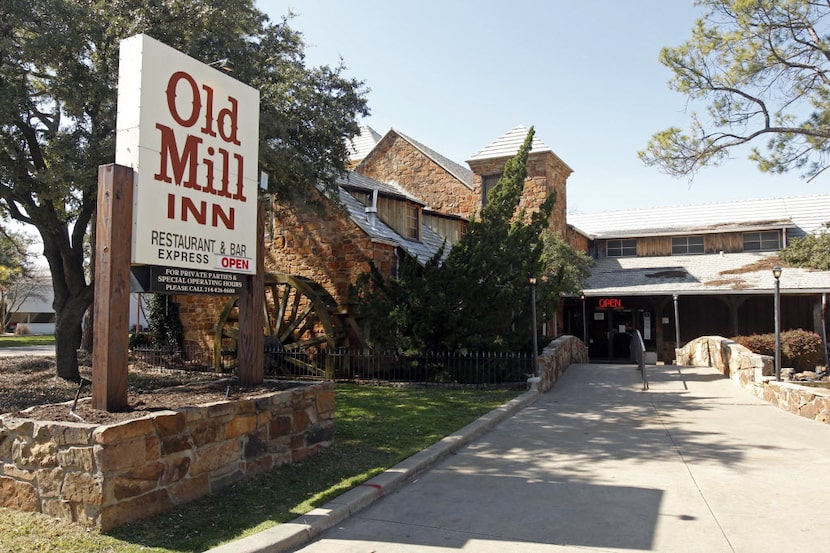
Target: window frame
[(488, 182), (764, 241), (412, 222), (625, 247), (681, 245)]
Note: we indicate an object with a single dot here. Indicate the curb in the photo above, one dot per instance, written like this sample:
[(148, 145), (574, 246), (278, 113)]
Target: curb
[(283, 537)]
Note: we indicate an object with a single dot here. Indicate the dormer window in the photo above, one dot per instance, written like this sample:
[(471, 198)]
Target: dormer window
[(621, 248), (412, 223), (684, 245), (762, 241)]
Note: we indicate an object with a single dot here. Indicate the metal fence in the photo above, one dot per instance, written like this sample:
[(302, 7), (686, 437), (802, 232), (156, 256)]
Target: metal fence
[(438, 368), (190, 357)]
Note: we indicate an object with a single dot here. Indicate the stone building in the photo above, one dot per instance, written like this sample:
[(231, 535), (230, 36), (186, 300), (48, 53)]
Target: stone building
[(546, 173), (401, 198)]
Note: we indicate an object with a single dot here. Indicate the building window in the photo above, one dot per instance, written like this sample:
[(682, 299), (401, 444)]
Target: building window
[(621, 248), (412, 224), (762, 241), (682, 245), (487, 184)]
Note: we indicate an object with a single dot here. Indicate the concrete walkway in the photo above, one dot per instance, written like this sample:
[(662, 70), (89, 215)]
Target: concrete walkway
[(693, 465)]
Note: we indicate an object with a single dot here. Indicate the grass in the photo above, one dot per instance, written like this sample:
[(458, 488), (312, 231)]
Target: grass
[(376, 427), (23, 341)]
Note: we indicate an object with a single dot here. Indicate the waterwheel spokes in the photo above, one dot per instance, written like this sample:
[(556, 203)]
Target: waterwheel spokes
[(301, 315), (292, 325)]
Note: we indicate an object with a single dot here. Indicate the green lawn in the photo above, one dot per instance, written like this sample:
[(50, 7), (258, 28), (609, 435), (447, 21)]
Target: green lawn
[(22, 341), (376, 427)]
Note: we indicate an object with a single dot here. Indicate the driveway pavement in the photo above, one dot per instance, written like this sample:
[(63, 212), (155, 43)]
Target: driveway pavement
[(695, 465), (27, 350)]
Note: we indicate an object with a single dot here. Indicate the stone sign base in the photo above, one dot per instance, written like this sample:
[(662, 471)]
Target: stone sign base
[(108, 475)]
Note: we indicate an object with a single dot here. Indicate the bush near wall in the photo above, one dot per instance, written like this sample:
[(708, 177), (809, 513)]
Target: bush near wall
[(800, 349)]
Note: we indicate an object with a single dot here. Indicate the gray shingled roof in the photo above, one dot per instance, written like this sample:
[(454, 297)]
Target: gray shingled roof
[(801, 214), (733, 273), (363, 143), (460, 172), (362, 182), (380, 231), (508, 145)]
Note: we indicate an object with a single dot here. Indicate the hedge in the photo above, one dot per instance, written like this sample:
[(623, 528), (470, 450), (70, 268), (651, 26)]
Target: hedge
[(800, 349)]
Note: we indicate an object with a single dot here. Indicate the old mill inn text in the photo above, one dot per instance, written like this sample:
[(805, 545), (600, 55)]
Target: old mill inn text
[(191, 134)]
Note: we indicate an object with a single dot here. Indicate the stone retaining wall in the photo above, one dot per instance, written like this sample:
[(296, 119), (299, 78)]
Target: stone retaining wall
[(756, 373), (556, 357), (108, 475)]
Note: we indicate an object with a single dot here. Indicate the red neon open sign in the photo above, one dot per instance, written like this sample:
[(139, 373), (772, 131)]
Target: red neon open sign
[(609, 303)]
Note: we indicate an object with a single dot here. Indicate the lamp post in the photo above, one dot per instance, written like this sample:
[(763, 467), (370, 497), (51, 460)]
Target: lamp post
[(533, 324), (776, 272), (676, 322), (584, 321)]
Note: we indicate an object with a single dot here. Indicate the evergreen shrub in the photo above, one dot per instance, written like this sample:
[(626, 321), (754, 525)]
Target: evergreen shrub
[(800, 349)]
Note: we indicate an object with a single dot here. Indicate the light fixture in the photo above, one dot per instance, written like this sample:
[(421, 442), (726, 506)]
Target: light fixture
[(224, 64), (584, 321), (776, 272), (533, 325)]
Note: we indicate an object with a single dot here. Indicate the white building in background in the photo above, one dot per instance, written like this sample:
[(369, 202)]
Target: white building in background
[(35, 311), (38, 315)]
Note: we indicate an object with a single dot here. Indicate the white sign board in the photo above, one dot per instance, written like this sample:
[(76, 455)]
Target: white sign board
[(191, 133)]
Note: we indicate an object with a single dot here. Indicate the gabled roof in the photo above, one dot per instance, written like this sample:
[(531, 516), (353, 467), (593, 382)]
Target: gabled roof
[(800, 214), (508, 144), (363, 143), (732, 273), (357, 181), (463, 174)]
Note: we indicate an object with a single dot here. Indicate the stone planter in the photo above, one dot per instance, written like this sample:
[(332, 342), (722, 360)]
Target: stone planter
[(108, 475)]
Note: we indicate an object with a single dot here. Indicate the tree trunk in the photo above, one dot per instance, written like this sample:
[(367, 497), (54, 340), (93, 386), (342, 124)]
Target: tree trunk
[(89, 316), (88, 325), (68, 332), (72, 298)]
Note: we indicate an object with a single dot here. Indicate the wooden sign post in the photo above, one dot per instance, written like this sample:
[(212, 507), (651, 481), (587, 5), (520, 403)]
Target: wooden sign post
[(110, 339), (252, 316)]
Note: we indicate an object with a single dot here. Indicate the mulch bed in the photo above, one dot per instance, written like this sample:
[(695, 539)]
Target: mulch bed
[(30, 382)]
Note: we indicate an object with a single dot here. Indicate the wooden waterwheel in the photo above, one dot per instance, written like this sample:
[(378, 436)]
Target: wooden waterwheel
[(302, 323)]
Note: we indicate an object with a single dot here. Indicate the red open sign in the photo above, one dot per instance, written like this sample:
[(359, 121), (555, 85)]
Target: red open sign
[(609, 303)]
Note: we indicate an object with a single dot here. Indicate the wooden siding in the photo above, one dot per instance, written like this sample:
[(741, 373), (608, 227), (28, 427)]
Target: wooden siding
[(393, 213), (728, 242), (449, 229)]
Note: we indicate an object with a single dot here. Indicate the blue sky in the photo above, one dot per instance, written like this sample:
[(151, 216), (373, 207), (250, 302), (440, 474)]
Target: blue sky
[(457, 74)]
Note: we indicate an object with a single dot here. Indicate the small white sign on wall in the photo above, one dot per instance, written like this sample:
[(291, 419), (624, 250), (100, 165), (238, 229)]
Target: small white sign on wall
[(191, 134)]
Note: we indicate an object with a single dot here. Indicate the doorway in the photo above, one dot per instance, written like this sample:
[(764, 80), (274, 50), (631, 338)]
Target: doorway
[(609, 335)]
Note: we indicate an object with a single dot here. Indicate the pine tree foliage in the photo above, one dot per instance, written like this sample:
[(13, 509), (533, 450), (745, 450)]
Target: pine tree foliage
[(810, 252), (762, 70)]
